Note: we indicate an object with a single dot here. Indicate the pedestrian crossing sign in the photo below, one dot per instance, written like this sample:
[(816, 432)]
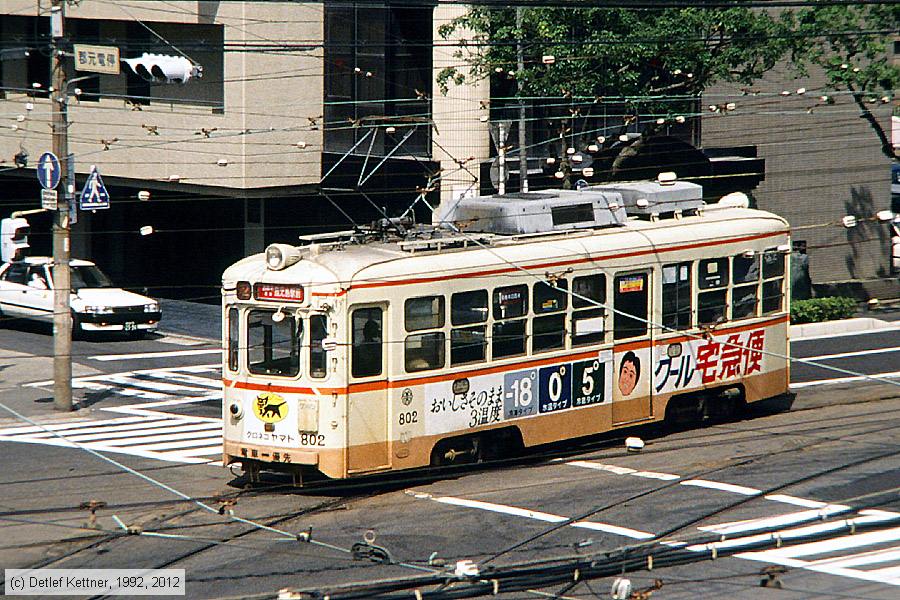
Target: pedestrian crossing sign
[(94, 194)]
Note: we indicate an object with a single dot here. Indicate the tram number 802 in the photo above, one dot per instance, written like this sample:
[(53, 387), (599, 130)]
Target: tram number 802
[(312, 439), (412, 416)]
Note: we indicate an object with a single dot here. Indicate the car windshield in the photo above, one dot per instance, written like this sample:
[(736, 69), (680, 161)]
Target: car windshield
[(89, 277)]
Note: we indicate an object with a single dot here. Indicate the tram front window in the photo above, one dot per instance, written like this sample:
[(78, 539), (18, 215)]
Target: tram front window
[(273, 346)]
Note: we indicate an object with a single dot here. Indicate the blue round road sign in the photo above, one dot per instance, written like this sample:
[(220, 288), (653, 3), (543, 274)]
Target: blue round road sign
[(48, 171)]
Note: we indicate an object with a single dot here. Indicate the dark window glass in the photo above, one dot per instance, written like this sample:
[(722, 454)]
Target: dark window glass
[(234, 328), (548, 333), (424, 313), (550, 297), (772, 296), (273, 347), (424, 351), (577, 213), (16, 273), (467, 345), (588, 327), (773, 264), (89, 277), (510, 302), (589, 291), (630, 299), (469, 307), (676, 296), (712, 273), (318, 357), (743, 301), (711, 307), (745, 269), (367, 342), (509, 338)]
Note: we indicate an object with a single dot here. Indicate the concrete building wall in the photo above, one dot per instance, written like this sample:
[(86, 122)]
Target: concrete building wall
[(272, 100), (822, 162), (459, 134)]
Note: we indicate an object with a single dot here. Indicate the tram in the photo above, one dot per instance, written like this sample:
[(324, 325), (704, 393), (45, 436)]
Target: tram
[(538, 317)]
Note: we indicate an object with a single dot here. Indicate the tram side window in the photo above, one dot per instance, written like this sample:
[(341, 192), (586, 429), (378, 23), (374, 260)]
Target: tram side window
[(273, 347), (234, 328), (630, 299), (773, 281), (549, 328), (588, 296), (510, 309), (468, 344), (423, 351), (712, 276), (676, 296), (745, 293), (318, 356), (366, 352)]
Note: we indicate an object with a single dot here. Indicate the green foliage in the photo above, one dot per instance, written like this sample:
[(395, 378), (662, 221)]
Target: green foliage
[(816, 310), (617, 51)]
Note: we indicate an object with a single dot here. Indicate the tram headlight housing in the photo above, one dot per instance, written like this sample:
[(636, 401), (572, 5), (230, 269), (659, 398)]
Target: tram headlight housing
[(281, 256), (235, 410)]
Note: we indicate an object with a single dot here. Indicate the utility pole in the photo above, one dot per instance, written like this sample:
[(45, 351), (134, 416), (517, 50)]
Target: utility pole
[(520, 68), (62, 280)]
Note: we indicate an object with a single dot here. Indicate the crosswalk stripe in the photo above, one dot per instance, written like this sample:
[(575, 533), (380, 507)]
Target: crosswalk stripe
[(189, 379), (102, 429), (147, 384), (774, 522), (20, 429), (209, 440), (138, 434), (195, 452), (866, 558), (166, 437)]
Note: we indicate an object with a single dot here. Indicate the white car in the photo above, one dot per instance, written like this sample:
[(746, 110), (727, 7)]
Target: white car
[(26, 291)]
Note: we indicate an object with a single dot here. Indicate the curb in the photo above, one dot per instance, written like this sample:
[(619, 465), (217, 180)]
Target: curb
[(841, 327)]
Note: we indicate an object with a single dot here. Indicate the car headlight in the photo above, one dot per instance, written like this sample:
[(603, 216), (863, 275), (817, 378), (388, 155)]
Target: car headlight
[(154, 307), (98, 310)]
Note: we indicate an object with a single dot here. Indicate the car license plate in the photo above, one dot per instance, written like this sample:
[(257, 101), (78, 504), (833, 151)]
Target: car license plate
[(130, 326)]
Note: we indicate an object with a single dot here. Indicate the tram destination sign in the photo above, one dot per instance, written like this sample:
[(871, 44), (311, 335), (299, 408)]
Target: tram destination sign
[(287, 292)]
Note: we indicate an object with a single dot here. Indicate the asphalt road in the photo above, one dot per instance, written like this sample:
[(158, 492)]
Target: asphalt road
[(833, 455)]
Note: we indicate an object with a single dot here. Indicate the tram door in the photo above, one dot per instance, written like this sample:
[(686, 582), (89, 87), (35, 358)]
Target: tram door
[(632, 335), (367, 410)]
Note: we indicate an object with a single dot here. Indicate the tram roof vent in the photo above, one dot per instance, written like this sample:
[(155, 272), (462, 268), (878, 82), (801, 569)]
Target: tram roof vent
[(655, 198), (538, 212)]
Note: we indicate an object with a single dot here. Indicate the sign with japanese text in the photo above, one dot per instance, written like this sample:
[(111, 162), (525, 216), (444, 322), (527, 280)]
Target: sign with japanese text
[(498, 397), (96, 59), (708, 361)]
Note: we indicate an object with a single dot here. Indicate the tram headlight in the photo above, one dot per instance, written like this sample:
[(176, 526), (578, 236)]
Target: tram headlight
[(281, 256), (235, 409)]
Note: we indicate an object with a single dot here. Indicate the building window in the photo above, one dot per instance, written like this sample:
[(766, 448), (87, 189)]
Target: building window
[(377, 72)]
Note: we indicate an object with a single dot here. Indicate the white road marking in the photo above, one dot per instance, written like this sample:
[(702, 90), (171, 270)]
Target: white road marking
[(622, 470), (541, 516), (795, 501), (15, 430), (854, 353), (724, 487), (865, 558), (836, 380), (136, 435), (845, 334), (164, 354), (770, 523)]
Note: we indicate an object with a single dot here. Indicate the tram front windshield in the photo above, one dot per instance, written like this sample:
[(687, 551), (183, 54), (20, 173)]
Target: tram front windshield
[(273, 343)]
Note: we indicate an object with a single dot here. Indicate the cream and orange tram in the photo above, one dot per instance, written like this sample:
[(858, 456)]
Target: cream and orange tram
[(552, 315)]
